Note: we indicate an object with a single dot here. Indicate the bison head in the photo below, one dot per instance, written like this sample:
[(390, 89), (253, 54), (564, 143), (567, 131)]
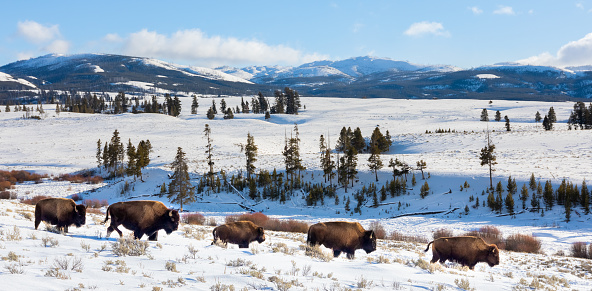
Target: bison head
[(493, 255), (171, 221), (79, 215), (260, 235), (369, 241)]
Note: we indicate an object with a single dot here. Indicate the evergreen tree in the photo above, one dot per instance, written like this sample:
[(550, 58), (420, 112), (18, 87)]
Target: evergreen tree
[(131, 169), (507, 123), (292, 159), (547, 125), (343, 141), (99, 154), (532, 183), (228, 114), (424, 190), (509, 201), (327, 164), (255, 106), (351, 163), (585, 198), (358, 141), (380, 140), (498, 116), (342, 177), (484, 115), (209, 153), (194, 105), (488, 158), (223, 105), (211, 113), (511, 186), (374, 161), (420, 166), (214, 106), (537, 117), (548, 195), (280, 102), (267, 115), (551, 115), (180, 189), (251, 155), (524, 195), (292, 101), (263, 103)]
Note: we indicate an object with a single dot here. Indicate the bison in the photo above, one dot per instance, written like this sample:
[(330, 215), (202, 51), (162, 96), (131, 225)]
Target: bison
[(342, 236), (142, 217), (239, 232), (465, 250), (61, 212)]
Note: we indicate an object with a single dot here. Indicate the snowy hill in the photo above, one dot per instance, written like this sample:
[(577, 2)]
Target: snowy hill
[(66, 143)]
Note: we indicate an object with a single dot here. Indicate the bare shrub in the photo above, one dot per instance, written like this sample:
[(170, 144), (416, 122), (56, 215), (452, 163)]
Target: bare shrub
[(397, 236), (80, 178), (581, 250), (267, 223), (49, 242), (95, 203), (15, 269), (490, 234), (523, 243), (378, 229), (193, 218), (14, 235), (171, 266), (316, 252), (130, 247), (7, 194), (94, 211), (442, 232), (34, 200), (211, 221)]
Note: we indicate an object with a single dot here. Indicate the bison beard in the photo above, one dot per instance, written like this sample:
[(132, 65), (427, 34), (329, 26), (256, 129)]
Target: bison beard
[(61, 212), (465, 250), (341, 236), (142, 217), (240, 232)]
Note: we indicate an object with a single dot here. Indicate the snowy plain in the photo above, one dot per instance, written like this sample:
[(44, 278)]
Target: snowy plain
[(66, 143)]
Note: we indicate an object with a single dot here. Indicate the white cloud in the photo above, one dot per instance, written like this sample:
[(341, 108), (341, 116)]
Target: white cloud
[(505, 10), (574, 53), (37, 33), (194, 45), (580, 5), (58, 46), (113, 37), (357, 27), (424, 27), (476, 10)]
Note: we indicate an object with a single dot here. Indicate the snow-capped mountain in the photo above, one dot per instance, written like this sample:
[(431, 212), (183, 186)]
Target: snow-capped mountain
[(354, 77)]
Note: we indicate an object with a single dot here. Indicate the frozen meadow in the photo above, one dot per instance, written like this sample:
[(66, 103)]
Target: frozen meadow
[(66, 143)]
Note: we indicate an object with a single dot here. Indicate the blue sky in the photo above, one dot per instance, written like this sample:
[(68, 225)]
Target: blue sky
[(242, 33)]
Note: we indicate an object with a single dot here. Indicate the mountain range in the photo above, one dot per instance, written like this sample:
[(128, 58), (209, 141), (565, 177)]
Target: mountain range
[(368, 77)]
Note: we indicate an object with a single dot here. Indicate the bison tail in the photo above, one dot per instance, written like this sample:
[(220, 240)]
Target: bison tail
[(427, 248), (107, 215)]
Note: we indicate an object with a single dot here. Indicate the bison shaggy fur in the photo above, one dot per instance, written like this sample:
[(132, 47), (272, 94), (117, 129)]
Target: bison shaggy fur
[(465, 250), (142, 217), (61, 212), (342, 236), (239, 232)]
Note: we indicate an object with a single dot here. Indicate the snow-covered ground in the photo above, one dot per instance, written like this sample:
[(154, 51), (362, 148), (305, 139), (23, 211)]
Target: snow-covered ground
[(68, 142)]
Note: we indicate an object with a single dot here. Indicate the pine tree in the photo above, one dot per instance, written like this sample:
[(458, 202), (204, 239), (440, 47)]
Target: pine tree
[(380, 140), (374, 161), (532, 183), (291, 154), (552, 116), (280, 102), (421, 165), (347, 204), (194, 105), (488, 158), (214, 106), (131, 168), (99, 154), (509, 201), (548, 195), (251, 155), (211, 113), (424, 190), (180, 189), (498, 116), (537, 117), (547, 125), (358, 141), (223, 105), (351, 163), (507, 123), (484, 115), (209, 153), (262, 103), (511, 187), (228, 114), (585, 198), (524, 195)]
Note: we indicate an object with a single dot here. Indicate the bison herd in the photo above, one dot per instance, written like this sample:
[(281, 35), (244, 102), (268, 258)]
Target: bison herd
[(148, 217)]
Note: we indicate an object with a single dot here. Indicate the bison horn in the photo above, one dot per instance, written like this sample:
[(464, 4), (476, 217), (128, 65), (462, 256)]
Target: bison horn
[(170, 213)]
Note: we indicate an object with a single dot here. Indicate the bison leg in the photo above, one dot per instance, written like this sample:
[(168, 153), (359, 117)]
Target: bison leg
[(65, 228), (111, 228), (243, 245), (37, 221), (153, 237), (336, 253), (138, 234), (350, 255), (435, 257)]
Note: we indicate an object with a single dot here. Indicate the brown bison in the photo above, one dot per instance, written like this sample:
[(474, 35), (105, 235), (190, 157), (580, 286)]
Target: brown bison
[(240, 233), (142, 217), (465, 250), (61, 212), (342, 236)]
